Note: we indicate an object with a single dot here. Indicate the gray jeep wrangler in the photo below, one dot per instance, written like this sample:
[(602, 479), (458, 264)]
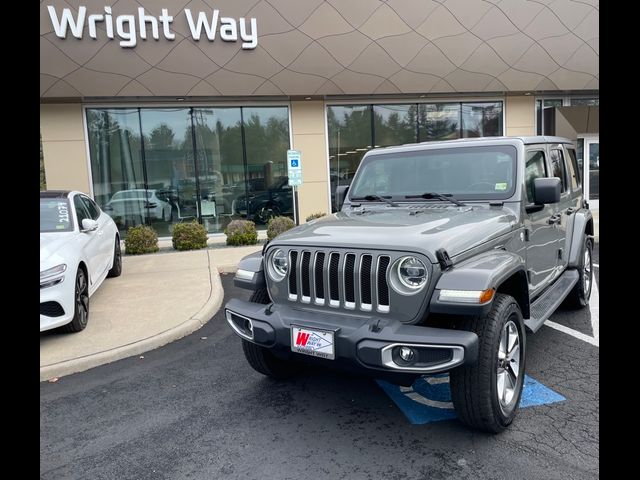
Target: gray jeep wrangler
[(442, 254)]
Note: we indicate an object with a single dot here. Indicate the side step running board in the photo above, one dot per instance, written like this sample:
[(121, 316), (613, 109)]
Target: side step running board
[(546, 304)]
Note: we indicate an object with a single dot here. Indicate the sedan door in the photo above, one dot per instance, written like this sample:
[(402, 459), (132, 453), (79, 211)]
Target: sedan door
[(106, 237), (90, 241)]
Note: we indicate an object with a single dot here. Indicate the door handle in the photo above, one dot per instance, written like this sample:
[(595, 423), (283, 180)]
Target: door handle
[(554, 219)]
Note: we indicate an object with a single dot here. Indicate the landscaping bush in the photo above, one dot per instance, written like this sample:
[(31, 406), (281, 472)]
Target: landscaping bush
[(140, 239), (277, 225), (189, 236), (313, 216), (241, 232)]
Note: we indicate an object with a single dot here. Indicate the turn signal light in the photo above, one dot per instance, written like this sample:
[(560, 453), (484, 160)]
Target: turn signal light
[(467, 296), (487, 295)]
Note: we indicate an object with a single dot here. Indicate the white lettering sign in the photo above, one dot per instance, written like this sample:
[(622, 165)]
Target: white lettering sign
[(129, 27)]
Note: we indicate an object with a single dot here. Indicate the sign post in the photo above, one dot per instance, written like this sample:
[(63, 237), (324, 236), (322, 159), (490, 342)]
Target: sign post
[(294, 171)]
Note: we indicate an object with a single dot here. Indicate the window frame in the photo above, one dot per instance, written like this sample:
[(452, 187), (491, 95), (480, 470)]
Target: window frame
[(83, 208), (89, 205), (564, 179), (572, 163), (541, 149)]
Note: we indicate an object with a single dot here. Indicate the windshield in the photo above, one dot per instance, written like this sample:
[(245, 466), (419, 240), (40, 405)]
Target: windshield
[(55, 215), (466, 173)]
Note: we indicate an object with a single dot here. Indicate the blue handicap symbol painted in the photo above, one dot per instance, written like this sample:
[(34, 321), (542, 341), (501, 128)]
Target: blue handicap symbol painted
[(294, 163), (429, 398)]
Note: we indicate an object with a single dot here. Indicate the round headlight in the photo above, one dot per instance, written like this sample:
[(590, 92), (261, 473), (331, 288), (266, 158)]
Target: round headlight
[(279, 265), (412, 273)]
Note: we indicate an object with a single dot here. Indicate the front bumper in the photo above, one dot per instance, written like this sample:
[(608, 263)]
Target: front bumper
[(363, 344), (63, 294)]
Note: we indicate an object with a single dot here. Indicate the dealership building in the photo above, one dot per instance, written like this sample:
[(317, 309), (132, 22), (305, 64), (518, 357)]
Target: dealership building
[(168, 111)]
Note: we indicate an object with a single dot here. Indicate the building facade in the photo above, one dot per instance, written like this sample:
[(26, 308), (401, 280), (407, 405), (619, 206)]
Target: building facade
[(171, 111)]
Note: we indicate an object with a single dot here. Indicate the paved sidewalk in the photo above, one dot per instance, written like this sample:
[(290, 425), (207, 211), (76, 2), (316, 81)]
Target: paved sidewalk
[(158, 298)]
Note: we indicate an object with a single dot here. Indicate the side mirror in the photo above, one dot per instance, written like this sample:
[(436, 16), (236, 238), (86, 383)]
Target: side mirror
[(546, 190), (341, 194), (89, 225)]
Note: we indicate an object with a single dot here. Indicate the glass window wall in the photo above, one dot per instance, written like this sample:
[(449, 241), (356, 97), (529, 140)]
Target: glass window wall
[(160, 166)]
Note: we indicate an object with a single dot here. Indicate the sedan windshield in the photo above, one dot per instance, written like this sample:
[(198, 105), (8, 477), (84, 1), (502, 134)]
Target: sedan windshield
[(464, 173), (55, 215)]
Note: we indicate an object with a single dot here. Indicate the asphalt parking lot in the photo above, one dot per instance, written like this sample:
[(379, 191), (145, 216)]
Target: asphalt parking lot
[(194, 409)]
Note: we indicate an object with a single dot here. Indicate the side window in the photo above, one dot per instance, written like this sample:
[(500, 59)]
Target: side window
[(557, 167), (535, 168), (574, 169), (81, 211), (92, 208)]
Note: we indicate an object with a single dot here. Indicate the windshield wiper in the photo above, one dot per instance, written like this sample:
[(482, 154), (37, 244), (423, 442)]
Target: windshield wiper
[(377, 198), (440, 196)]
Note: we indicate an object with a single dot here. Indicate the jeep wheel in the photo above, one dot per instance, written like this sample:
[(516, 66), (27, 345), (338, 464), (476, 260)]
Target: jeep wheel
[(260, 358), (579, 296), (486, 395)]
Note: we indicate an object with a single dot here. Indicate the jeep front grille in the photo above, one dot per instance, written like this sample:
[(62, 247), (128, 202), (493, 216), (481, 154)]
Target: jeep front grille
[(339, 279)]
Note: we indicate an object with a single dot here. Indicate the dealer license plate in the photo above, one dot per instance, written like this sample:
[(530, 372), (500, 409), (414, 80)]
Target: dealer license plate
[(317, 343)]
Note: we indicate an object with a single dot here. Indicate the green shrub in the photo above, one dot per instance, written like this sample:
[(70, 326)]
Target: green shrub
[(277, 225), (140, 239), (189, 236), (313, 216), (241, 232)]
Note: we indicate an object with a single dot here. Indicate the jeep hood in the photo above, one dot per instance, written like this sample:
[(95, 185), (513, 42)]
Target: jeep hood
[(423, 230)]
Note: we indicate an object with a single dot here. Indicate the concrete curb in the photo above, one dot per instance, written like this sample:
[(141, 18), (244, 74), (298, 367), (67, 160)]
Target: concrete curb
[(208, 310)]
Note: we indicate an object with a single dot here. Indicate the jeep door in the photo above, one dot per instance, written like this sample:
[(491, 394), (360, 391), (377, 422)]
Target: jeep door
[(564, 209), (541, 223)]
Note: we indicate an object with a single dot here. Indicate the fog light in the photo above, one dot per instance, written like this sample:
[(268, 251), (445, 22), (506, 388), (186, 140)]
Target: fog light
[(407, 354)]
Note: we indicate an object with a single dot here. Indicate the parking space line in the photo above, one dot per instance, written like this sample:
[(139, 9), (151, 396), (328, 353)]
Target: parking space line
[(594, 310), (596, 265), (572, 332)]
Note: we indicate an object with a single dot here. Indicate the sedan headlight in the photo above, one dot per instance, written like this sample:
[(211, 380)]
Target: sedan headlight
[(52, 276), (278, 265), (408, 275), (53, 272)]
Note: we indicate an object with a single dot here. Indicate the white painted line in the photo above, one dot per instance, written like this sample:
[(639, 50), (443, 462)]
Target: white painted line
[(594, 310), (596, 265), (572, 332)]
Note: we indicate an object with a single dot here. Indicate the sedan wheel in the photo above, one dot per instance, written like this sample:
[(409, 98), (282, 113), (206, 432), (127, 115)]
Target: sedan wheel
[(81, 313), (116, 269)]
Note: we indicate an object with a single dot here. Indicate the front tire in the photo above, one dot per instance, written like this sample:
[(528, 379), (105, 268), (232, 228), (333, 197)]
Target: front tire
[(260, 358), (486, 394), (116, 269), (81, 312), (579, 296)]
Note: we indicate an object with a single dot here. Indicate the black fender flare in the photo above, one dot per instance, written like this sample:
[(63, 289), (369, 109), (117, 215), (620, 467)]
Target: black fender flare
[(492, 269), (250, 273), (582, 225)]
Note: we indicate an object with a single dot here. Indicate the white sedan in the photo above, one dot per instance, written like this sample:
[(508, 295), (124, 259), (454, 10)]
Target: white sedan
[(79, 248)]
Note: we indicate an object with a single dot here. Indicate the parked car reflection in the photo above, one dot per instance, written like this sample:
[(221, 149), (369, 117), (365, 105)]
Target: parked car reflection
[(263, 203), (138, 202)]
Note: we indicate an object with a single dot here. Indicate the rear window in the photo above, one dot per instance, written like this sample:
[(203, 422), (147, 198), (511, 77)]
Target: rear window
[(55, 215)]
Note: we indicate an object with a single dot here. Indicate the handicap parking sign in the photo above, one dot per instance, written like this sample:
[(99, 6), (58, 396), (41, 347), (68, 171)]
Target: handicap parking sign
[(294, 167)]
